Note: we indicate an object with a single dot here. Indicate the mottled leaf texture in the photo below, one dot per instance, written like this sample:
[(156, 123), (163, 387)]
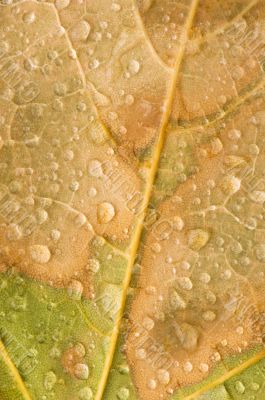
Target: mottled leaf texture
[(132, 191)]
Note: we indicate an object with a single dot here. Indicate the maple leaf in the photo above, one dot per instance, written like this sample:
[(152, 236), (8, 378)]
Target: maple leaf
[(131, 199)]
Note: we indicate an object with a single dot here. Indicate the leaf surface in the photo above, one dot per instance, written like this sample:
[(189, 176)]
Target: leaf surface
[(131, 199)]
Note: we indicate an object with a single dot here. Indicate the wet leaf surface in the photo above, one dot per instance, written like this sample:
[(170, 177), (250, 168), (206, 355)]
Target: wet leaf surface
[(132, 198)]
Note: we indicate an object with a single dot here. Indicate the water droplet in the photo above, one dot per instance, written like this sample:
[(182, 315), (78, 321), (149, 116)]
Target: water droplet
[(163, 376), (209, 316), (210, 296), (176, 302), (240, 330), (129, 100), (185, 265), (95, 168), (255, 386), (204, 367), (156, 247), (85, 393), (222, 99), (80, 349), (75, 289), (197, 239), (123, 130), (140, 354), (29, 17), (42, 216), (80, 219), (188, 367), (134, 67), (97, 134), (55, 235), (40, 253), (260, 252), (148, 323), (253, 149), (60, 89), (81, 106), (93, 265), (50, 380), (185, 283), (80, 31), (238, 73), (205, 277), (178, 223), (230, 185), (151, 384), (81, 371), (61, 4), (187, 335), (217, 146), (123, 393), (94, 64), (14, 232), (234, 134), (115, 7), (258, 196), (106, 212), (69, 155), (240, 388)]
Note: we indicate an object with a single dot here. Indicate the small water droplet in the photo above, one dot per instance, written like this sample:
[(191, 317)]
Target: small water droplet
[(85, 393), (93, 265), (240, 388), (29, 17), (197, 239), (209, 316), (50, 380), (40, 253), (61, 4), (75, 289), (106, 212), (134, 67), (234, 134), (80, 31), (163, 376), (152, 384), (188, 367), (55, 235), (81, 371), (95, 168)]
